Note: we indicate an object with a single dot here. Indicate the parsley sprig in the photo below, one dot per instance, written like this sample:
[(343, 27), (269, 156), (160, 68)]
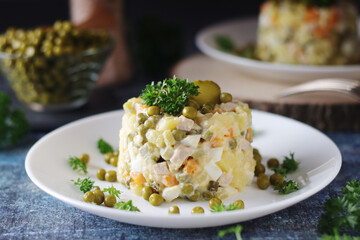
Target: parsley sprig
[(237, 230), (289, 164), (170, 95), (128, 206), (77, 165), (343, 212), (85, 184), (112, 191), (288, 187), (221, 207), (104, 147)]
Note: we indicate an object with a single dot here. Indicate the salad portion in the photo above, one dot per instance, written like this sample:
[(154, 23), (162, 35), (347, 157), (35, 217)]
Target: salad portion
[(185, 140)]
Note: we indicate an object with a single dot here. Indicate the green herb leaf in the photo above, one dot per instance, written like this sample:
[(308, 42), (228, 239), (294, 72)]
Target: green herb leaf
[(289, 164), (342, 213), (170, 95), (104, 147), (232, 207), (224, 43), (281, 171), (77, 165), (112, 191), (128, 206), (13, 124), (288, 187), (218, 208), (85, 184), (237, 230)]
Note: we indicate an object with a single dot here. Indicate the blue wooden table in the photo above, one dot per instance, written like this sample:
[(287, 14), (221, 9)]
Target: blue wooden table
[(26, 212)]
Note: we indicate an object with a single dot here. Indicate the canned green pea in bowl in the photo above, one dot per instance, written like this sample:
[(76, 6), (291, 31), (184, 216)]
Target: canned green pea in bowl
[(54, 68)]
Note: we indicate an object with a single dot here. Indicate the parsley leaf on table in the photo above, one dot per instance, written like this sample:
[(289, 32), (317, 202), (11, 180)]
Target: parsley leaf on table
[(104, 147), (77, 164), (343, 212), (112, 191), (13, 124), (128, 206), (85, 184), (288, 187), (170, 95), (237, 230)]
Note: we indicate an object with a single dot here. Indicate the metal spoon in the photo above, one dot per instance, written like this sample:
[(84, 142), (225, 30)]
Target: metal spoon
[(346, 86)]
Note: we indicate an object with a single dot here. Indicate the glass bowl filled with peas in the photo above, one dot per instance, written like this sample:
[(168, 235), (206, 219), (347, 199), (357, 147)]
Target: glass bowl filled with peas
[(53, 68)]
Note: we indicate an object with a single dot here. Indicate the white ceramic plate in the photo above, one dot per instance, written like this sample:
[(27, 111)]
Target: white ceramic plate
[(243, 32), (46, 165)]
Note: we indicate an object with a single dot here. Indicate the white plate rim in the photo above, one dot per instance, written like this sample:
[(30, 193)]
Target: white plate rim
[(203, 37), (175, 221)]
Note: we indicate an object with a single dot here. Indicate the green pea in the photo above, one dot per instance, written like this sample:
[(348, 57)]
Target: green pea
[(187, 188), (153, 110), (101, 174), (207, 195), (277, 179), (107, 157), (214, 202), (89, 197), (110, 176), (196, 210), (206, 108), (149, 124), (193, 103), (257, 155), (141, 118), (85, 158), (174, 210), (110, 201), (240, 204), (114, 161), (116, 153), (189, 112), (213, 186), (259, 169), (195, 196), (178, 134), (273, 163), (225, 97), (156, 199), (232, 144), (146, 192), (94, 188), (99, 197), (263, 181)]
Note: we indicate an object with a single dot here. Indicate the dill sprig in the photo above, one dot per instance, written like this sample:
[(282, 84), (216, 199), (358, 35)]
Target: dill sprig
[(77, 164), (170, 95)]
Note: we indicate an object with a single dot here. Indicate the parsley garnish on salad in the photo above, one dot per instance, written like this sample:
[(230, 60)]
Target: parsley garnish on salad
[(170, 95), (288, 187), (112, 191)]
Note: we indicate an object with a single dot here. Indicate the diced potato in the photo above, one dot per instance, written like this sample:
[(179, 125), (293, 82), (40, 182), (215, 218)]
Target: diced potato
[(167, 123)]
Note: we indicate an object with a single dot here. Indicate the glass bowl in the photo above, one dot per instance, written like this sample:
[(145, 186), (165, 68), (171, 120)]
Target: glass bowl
[(55, 83)]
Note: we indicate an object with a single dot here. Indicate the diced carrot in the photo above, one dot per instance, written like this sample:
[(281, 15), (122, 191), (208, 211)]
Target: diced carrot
[(216, 111), (125, 175), (170, 180), (311, 15), (231, 133), (191, 166), (249, 136), (216, 142), (138, 178), (333, 18)]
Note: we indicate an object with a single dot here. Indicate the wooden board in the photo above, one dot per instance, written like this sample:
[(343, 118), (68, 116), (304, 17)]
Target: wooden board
[(325, 111)]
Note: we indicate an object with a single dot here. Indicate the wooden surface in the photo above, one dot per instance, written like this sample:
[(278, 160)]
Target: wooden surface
[(326, 111)]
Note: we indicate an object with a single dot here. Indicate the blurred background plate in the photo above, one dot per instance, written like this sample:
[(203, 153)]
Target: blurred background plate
[(243, 32)]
